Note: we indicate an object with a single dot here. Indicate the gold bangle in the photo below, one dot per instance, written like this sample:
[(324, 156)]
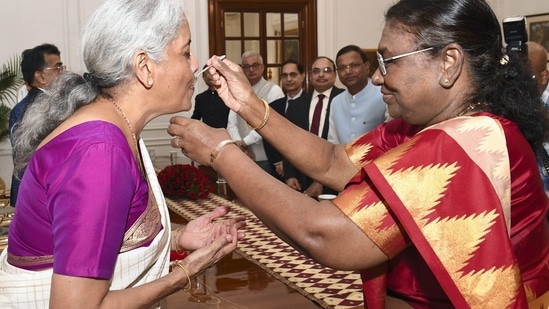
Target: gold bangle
[(265, 117), (217, 149), (177, 243), (188, 285)]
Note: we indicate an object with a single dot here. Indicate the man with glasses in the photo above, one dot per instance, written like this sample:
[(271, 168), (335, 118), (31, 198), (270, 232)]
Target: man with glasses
[(292, 77), (311, 112), (40, 66), (360, 108), (247, 139)]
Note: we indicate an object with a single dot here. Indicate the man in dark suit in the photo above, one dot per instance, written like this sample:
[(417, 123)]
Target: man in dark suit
[(311, 112), (292, 78), (209, 107), (40, 66)]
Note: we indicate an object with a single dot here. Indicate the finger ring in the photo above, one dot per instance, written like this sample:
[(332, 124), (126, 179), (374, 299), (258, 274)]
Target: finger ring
[(177, 141)]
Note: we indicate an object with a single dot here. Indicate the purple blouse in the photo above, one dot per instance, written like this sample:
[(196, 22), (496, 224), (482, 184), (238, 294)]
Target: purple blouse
[(79, 194)]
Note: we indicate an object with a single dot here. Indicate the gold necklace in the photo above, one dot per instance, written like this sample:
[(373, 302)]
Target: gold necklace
[(470, 108), (466, 110), (136, 155)]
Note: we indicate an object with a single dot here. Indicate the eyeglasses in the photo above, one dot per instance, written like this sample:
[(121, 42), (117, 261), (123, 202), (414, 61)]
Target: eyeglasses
[(351, 67), (383, 61), (286, 75), (251, 66), (326, 70), (60, 67)]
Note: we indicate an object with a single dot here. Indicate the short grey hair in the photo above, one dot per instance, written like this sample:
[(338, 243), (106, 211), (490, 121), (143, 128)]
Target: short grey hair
[(249, 54), (116, 31)]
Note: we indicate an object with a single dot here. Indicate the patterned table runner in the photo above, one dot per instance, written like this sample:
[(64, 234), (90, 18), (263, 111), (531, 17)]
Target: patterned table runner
[(327, 287)]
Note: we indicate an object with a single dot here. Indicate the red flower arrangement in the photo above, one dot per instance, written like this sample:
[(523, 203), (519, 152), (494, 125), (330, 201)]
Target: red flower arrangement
[(184, 180)]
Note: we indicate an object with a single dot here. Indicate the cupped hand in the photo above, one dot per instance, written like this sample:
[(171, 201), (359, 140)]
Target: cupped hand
[(196, 139), (230, 82), (206, 256), (203, 230)]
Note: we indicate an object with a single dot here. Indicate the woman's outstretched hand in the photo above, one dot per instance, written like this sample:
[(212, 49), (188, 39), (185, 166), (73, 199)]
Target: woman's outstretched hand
[(203, 230), (209, 239), (208, 255)]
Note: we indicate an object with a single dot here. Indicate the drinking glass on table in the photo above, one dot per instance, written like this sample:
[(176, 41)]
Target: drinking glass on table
[(220, 179), (173, 157)]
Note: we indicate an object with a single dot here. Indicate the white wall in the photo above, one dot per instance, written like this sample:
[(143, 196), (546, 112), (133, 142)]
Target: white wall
[(27, 23)]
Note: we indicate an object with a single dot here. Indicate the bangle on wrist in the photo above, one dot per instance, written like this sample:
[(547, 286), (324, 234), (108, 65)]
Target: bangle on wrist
[(241, 145), (178, 264), (217, 149), (265, 117), (178, 249)]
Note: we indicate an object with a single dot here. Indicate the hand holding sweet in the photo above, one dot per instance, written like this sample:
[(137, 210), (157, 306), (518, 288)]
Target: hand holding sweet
[(230, 82)]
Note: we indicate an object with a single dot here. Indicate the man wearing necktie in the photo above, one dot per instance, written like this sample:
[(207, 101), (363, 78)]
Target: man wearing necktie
[(311, 112)]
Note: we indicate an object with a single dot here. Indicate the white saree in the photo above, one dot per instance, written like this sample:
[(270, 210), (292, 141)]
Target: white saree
[(20, 288)]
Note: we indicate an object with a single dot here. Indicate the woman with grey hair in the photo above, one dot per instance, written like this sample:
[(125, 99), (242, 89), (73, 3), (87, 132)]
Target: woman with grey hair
[(92, 228)]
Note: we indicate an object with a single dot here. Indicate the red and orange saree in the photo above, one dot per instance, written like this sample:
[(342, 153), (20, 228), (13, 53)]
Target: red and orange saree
[(459, 210)]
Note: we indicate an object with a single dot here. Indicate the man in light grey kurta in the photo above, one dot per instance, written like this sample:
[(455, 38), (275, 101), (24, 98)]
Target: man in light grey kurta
[(360, 108), (249, 140)]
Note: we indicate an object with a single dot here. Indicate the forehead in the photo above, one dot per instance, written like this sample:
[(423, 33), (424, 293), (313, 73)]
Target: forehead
[(322, 63), (349, 57), (183, 38), (289, 67), (251, 59), (395, 40), (52, 59)]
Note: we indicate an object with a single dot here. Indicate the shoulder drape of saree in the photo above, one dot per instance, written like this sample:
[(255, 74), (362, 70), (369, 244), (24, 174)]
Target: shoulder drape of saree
[(21, 288), (448, 188)]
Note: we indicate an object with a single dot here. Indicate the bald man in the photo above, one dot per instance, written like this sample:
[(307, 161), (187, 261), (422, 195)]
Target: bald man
[(537, 55)]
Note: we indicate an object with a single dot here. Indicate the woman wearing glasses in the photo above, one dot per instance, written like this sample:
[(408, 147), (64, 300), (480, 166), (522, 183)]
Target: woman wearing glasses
[(440, 208)]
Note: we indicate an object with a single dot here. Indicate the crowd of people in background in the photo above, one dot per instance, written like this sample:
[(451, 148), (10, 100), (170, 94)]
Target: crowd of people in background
[(340, 116)]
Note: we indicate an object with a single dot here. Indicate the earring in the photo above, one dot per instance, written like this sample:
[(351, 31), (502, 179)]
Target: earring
[(446, 81), (150, 83)]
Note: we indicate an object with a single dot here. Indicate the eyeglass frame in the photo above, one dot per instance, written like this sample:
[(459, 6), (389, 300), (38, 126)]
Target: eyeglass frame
[(350, 67), (382, 61), (289, 75), (60, 67), (254, 66), (326, 70)]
